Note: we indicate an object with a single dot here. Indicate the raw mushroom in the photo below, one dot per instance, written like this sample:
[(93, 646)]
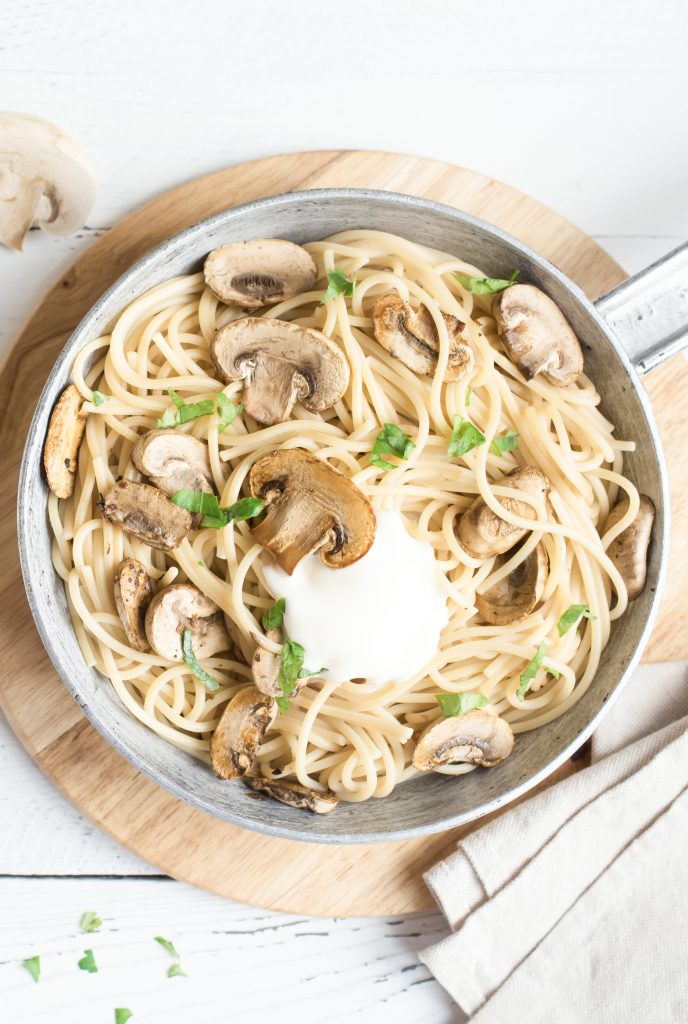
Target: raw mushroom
[(628, 551), (483, 534), (173, 461), (253, 274), (145, 512), (280, 363), (411, 336), (475, 738), (45, 179), (65, 433), (310, 507), (239, 733), (514, 596), (536, 335), (294, 794), (133, 594), (183, 606)]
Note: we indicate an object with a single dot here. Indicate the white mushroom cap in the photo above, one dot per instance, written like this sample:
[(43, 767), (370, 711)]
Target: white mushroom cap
[(514, 596), (45, 179), (294, 794), (475, 738), (628, 551), (183, 606), (262, 271), (483, 534), (173, 461), (411, 336), (239, 733), (537, 336)]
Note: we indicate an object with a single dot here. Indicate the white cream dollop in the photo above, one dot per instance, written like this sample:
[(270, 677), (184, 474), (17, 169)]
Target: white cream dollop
[(379, 619)]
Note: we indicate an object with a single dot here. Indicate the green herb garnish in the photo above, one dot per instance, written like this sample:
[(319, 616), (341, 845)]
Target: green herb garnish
[(338, 284), (571, 616), (274, 617), (551, 671), (485, 285), (291, 670), (530, 671), (465, 436), (208, 681), (214, 515), (99, 398), (460, 703), (469, 396), (88, 962), (90, 922), (390, 441), (175, 971), (184, 412), (506, 442), (168, 946), (227, 411), (33, 966), (122, 1015)]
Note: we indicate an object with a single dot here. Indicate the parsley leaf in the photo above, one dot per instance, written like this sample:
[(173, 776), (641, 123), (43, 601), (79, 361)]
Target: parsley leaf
[(99, 398), (390, 441), (88, 962), (530, 671), (338, 284), (90, 922), (274, 617), (571, 616), (122, 1015), (175, 971), (33, 966), (460, 703), (184, 413), (291, 670), (465, 436), (208, 681), (506, 442), (469, 396), (213, 514), (227, 411), (485, 285), (167, 946), (551, 671)]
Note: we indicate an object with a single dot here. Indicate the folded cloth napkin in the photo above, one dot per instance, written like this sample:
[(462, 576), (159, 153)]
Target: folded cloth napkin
[(573, 905)]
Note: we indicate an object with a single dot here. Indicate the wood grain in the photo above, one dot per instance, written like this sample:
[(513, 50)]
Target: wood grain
[(274, 873)]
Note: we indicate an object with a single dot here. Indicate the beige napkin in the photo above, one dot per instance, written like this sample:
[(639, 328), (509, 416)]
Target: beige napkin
[(573, 906)]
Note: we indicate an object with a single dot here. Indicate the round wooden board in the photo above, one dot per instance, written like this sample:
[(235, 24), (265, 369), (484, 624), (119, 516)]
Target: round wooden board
[(185, 843)]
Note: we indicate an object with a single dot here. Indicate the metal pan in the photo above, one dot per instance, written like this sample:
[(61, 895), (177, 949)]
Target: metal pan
[(627, 332)]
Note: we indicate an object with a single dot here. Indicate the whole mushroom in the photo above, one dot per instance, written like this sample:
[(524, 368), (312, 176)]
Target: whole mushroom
[(262, 271), (183, 606), (474, 738), (628, 551), (411, 336), (537, 336), (482, 533)]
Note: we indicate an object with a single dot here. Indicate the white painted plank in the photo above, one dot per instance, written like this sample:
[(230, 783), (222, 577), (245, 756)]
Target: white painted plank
[(243, 965)]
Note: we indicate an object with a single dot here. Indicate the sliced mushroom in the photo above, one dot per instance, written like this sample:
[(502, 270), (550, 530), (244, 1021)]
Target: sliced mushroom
[(475, 738), (411, 336), (133, 594), (145, 512), (536, 335), (294, 794), (279, 363), (65, 433), (239, 733), (628, 551), (173, 461), (310, 507), (483, 534), (183, 606), (515, 596), (253, 274), (265, 665)]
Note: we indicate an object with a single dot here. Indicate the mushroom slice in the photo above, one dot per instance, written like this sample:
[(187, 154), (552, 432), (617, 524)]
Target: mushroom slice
[(252, 274), (279, 363), (133, 594), (628, 551), (45, 179), (183, 606), (294, 794), (145, 512), (483, 534), (536, 335), (411, 336), (475, 738), (514, 596), (173, 461), (310, 507), (239, 733), (65, 433)]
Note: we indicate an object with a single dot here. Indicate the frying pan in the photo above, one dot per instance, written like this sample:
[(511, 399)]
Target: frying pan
[(627, 332)]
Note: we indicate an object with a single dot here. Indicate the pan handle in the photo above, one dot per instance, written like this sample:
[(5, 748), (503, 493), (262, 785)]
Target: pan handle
[(649, 312)]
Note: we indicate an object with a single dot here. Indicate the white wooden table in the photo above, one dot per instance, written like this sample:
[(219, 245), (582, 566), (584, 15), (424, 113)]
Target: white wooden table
[(584, 107)]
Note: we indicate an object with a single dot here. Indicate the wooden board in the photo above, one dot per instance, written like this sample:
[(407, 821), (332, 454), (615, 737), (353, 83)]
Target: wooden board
[(185, 843)]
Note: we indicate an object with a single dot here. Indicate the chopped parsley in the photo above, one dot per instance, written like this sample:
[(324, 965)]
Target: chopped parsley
[(291, 670), (168, 946), (551, 671), (571, 616), (88, 962), (208, 681), (227, 411), (465, 436), (33, 966), (460, 703), (274, 617), (122, 1015), (99, 398), (184, 412), (90, 922), (469, 396), (485, 285), (175, 971), (213, 514), (530, 671), (338, 284), (506, 442), (391, 441)]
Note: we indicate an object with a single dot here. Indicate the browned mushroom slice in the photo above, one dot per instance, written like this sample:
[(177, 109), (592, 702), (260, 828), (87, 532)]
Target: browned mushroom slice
[(280, 363), (65, 432), (536, 335), (628, 551), (145, 512), (183, 606), (483, 534), (133, 594), (239, 733), (515, 596), (310, 507), (294, 794), (173, 461), (475, 738), (411, 336), (252, 274)]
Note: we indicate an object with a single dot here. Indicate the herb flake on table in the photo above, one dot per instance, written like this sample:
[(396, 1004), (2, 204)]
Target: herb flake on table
[(122, 1015), (390, 441), (530, 671), (90, 922), (33, 966), (175, 971), (464, 438), (485, 285), (88, 962), (204, 677), (453, 704), (338, 284), (167, 945), (572, 615), (184, 412)]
